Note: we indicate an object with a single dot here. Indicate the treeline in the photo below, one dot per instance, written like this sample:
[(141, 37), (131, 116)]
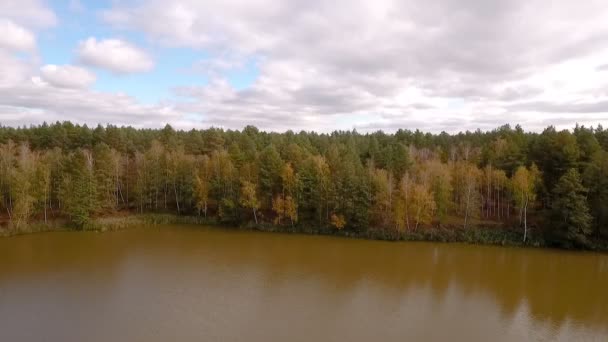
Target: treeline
[(553, 185)]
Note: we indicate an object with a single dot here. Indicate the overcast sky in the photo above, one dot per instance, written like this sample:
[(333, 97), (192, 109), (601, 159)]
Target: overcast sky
[(434, 65)]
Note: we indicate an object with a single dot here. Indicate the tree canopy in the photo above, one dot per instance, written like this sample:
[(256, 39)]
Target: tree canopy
[(550, 184)]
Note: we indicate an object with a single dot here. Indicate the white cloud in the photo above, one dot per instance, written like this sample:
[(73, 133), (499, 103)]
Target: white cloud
[(438, 65), (31, 94), (115, 55), (67, 76), (29, 13), (36, 102), (13, 70), (388, 64), (15, 37)]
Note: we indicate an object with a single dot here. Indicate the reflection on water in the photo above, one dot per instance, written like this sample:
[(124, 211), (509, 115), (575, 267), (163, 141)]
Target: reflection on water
[(192, 284)]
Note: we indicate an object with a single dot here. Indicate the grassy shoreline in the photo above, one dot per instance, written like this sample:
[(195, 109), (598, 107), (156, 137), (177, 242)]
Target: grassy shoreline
[(480, 235)]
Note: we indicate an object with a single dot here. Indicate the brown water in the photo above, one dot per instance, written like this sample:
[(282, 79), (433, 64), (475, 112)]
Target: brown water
[(198, 284)]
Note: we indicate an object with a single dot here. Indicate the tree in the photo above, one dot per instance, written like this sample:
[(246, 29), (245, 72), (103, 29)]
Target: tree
[(382, 190), (570, 216), (422, 204), (249, 198), (554, 153), (500, 184), (105, 176), (278, 206), (291, 210), (202, 185), (80, 188), (285, 205), (441, 187), (285, 208), (595, 178), (289, 180), (7, 170), (23, 186), (524, 186), (315, 190), (467, 178), (400, 160), (270, 165), (42, 183), (224, 185), (338, 221), (343, 180), (402, 205)]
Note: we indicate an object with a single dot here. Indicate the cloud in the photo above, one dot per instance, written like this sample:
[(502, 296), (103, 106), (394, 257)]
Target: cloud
[(115, 55), (219, 65), (76, 6), (15, 37), (13, 70), (37, 102), (385, 63), (67, 76), (29, 13), (32, 94), (556, 107)]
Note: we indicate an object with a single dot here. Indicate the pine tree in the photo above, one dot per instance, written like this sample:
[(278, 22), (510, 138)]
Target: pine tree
[(81, 188), (571, 221), (595, 178)]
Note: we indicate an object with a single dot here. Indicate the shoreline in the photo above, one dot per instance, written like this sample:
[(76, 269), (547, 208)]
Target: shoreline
[(476, 235)]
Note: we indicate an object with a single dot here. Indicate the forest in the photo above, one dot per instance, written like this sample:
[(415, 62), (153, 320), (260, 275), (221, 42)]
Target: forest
[(550, 186)]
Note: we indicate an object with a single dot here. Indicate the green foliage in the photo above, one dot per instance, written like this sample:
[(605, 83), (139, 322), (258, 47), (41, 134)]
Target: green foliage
[(554, 153), (270, 165), (80, 188), (311, 181), (570, 218), (595, 178)]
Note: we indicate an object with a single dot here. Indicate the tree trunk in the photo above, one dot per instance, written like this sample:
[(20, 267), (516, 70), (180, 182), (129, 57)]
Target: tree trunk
[(498, 204), (176, 198), (45, 196), (521, 210), (526, 219), (121, 196), (407, 216), (255, 217), (466, 211), (8, 208), (127, 181)]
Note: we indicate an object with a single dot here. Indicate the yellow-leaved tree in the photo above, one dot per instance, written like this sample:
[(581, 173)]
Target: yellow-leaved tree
[(249, 198), (524, 186)]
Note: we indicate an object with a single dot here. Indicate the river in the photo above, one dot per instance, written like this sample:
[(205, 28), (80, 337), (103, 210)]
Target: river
[(188, 283)]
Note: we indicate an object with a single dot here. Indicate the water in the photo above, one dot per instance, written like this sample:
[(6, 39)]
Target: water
[(184, 283)]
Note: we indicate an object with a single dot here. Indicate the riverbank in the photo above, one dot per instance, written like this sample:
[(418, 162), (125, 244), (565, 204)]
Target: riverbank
[(447, 233)]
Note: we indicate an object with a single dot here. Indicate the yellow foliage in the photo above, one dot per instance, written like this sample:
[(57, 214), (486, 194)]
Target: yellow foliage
[(338, 221)]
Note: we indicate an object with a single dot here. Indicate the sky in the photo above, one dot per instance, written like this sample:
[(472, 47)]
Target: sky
[(433, 65)]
